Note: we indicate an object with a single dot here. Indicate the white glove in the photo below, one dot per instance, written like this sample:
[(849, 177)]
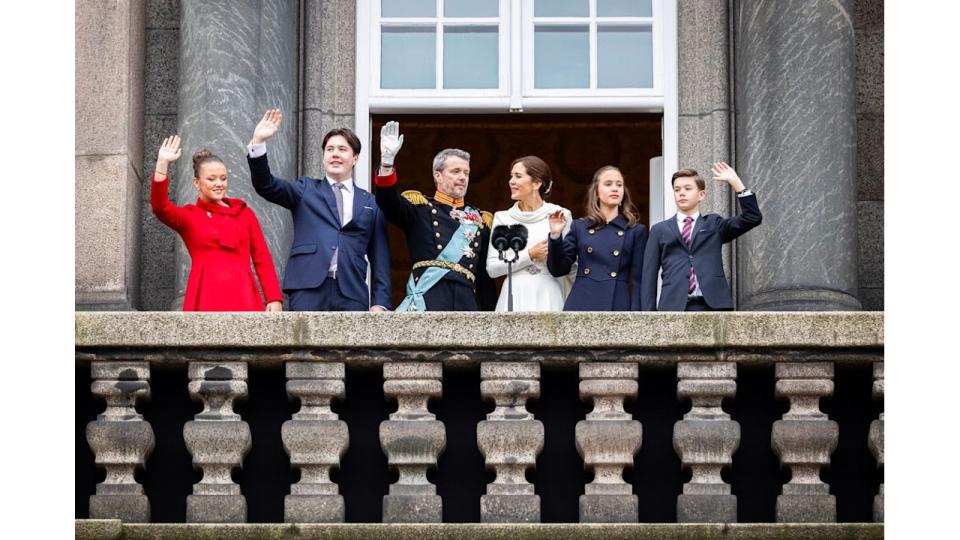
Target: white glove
[(390, 143)]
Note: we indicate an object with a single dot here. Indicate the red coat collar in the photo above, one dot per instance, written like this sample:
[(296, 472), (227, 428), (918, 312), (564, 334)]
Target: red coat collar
[(236, 206)]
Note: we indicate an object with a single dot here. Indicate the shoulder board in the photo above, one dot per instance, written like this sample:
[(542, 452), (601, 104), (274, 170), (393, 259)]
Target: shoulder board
[(487, 218), (414, 197)]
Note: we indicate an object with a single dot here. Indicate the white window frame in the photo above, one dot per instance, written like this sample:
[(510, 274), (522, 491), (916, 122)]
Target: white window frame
[(514, 95)]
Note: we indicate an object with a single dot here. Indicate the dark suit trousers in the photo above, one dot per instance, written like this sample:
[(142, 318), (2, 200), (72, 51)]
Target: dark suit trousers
[(326, 297), (699, 304)]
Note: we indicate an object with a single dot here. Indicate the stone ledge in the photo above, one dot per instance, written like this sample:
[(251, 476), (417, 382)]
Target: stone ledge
[(507, 531), (490, 331)]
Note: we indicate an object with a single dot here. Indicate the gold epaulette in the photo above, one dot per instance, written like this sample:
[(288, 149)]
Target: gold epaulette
[(414, 197), (487, 218)]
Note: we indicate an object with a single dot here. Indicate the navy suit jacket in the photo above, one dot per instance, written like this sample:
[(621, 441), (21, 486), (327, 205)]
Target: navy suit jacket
[(317, 233), (609, 264), (666, 250)]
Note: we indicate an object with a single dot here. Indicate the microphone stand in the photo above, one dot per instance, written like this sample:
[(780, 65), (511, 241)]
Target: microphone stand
[(509, 262)]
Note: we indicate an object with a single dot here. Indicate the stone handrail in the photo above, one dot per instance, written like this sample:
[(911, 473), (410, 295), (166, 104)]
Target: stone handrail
[(608, 350)]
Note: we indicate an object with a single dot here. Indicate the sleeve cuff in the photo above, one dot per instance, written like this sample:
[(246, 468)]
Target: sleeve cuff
[(386, 181), (744, 193), (256, 150)]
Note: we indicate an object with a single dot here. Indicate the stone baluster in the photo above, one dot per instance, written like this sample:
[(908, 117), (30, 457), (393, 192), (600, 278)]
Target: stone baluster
[(218, 440), (705, 440), (121, 440), (876, 439), (510, 440), (412, 439), (316, 439), (804, 440), (607, 440)]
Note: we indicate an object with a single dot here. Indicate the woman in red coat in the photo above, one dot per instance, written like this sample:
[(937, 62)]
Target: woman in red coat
[(221, 234)]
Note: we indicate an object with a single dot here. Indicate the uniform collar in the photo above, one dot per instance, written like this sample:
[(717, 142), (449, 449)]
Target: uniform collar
[(443, 198)]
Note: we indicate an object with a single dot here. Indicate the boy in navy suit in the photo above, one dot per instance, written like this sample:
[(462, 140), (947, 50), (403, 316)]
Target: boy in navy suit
[(335, 225), (687, 246)]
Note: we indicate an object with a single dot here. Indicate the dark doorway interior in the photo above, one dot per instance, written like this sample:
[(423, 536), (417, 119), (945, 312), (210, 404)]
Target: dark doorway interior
[(574, 145)]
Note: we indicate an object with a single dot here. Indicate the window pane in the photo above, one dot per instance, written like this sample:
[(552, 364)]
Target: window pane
[(624, 57), (470, 57), (408, 8), (471, 8), (561, 57), (561, 8), (624, 8), (408, 57)]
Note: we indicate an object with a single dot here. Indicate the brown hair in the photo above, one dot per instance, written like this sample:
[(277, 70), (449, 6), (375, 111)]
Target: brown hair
[(592, 201), (201, 158), (537, 169), (689, 173), (350, 136)]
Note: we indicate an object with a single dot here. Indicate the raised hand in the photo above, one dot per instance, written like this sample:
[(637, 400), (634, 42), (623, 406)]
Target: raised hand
[(267, 127), (558, 222), (274, 306), (725, 173), (390, 142), (169, 151)]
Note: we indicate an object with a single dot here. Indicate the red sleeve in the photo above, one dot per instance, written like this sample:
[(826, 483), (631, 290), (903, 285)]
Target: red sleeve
[(168, 213), (386, 181), (263, 262)]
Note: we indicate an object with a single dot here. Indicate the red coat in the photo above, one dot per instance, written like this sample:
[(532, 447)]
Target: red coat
[(221, 241)]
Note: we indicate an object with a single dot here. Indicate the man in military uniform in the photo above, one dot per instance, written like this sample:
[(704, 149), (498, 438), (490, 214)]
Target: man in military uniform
[(446, 237)]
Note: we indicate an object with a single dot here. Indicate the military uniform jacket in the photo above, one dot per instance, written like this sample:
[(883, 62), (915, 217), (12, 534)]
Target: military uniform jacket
[(609, 267), (429, 227)]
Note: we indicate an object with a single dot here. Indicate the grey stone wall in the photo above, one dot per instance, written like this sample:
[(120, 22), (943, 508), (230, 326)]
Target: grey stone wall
[(107, 153), (868, 30), (161, 79)]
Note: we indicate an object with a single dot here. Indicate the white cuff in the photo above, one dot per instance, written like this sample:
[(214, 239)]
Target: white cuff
[(745, 193), (256, 150)]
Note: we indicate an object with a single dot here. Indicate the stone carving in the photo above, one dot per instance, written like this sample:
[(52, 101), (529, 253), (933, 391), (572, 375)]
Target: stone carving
[(510, 440), (316, 439), (412, 439), (876, 439), (804, 440), (218, 440), (121, 440), (705, 440), (607, 440)]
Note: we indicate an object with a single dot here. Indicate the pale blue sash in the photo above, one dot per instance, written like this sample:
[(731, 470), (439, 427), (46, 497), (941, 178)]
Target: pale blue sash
[(452, 253)]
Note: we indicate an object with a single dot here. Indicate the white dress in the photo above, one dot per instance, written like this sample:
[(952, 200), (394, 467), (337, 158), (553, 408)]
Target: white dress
[(534, 289)]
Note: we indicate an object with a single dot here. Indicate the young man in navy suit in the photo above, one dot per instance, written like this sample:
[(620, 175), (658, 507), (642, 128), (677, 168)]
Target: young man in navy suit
[(335, 224), (686, 247)]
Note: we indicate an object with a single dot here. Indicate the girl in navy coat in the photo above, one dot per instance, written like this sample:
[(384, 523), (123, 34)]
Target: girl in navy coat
[(607, 245)]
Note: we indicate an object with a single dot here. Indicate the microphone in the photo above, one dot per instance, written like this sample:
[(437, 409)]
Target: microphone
[(500, 237), (518, 237)]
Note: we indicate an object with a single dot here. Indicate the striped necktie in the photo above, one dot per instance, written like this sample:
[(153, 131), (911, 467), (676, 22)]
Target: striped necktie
[(685, 233)]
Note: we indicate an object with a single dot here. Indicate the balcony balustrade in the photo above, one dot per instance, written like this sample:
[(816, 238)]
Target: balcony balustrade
[(617, 419)]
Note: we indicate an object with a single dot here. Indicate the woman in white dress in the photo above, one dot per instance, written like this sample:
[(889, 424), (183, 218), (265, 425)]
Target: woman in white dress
[(534, 289)]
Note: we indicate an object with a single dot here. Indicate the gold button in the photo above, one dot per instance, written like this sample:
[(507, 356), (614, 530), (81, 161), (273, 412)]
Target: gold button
[(436, 224), (586, 271), (476, 244), (471, 266), (439, 246), (438, 235), (619, 233), (434, 211), (616, 253), (589, 250), (591, 231), (613, 274)]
